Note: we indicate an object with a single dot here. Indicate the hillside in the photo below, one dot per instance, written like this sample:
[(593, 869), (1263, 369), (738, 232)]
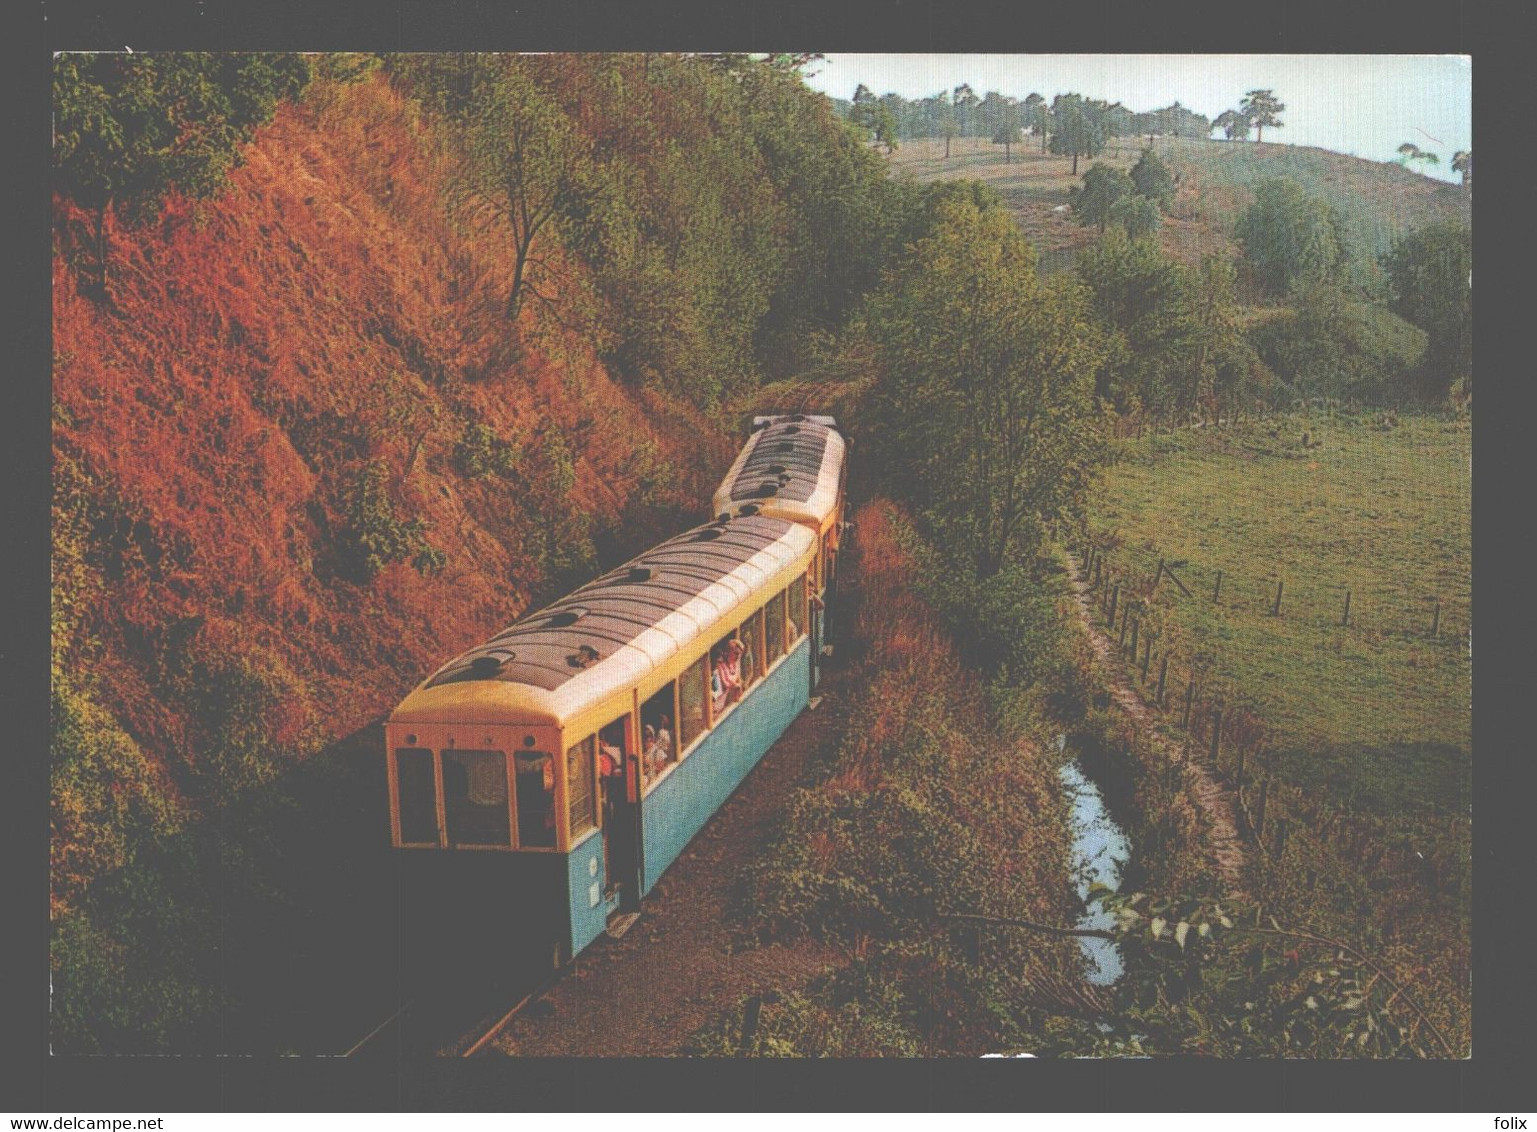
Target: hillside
[(314, 344), (1377, 201)]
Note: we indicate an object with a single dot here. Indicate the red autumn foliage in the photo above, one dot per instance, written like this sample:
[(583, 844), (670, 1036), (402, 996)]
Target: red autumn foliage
[(243, 365)]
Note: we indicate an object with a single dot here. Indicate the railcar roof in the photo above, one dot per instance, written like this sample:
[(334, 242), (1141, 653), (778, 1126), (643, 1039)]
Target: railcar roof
[(617, 628), (791, 466)]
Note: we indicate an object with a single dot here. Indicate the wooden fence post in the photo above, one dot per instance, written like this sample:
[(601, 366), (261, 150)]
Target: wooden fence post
[(1147, 655), (1189, 700), (1134, 626), (1275, 610), (1217, 593), (1163, 671), (1115, 596), (1345, 620)]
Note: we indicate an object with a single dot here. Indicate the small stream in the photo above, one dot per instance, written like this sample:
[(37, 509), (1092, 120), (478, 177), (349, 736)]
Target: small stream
[(1100, 852)]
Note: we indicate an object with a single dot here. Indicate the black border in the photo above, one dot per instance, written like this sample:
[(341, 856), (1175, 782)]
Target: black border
[(1495, 34)]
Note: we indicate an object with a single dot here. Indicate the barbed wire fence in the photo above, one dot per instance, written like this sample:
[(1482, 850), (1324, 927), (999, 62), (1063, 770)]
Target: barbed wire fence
[(1299, 837)]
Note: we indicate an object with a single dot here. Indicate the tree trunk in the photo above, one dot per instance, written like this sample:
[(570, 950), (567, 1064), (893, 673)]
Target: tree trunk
[(1075, 165), (101, 250)]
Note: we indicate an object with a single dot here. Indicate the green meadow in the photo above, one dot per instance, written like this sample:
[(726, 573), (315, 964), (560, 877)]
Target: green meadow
[(1378, 712)]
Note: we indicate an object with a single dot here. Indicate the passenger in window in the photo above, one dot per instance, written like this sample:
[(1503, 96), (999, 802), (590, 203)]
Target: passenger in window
[(726, 683), (664, 739), (658, 749)]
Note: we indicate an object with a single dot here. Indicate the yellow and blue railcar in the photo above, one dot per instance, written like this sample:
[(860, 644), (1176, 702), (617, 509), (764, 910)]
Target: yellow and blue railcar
[(567, 761), (795, 467)]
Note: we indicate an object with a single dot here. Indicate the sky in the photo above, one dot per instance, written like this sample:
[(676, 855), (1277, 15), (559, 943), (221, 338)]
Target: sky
[(1363, 105)]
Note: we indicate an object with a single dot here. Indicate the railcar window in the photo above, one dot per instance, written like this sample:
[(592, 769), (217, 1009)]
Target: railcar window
[(659, 747), (693, 687), (418, 796), (475, 798), (580, 761), (797, 595), (535, 786), (752, 659), (774, 628)]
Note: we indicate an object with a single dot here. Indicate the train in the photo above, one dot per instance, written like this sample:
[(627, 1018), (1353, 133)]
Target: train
[(548, 777)]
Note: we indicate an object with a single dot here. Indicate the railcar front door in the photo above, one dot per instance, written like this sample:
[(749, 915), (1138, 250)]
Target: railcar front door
[(620, 779)]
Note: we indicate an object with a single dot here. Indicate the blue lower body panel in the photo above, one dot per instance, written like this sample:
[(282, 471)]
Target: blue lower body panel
[(588, 906), (682, 802)]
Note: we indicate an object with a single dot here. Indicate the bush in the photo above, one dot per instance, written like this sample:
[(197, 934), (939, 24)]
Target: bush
[(480, 453), (1336, 346), (373, 537), (254, 712)]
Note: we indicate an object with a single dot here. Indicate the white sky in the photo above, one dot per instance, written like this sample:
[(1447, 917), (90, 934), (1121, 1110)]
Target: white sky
[(1365, 105)]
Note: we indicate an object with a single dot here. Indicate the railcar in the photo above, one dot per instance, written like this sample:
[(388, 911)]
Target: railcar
[(584, 744), (544, 780), (795, 467)]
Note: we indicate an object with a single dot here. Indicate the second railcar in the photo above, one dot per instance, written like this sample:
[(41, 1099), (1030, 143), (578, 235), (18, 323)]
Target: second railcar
[(795, 467)]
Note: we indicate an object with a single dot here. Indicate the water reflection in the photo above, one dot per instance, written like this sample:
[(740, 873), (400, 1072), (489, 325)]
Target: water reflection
[(1100, 849)]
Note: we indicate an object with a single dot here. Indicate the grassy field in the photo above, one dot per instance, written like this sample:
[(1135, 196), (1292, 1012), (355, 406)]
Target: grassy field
[(1377, 201), (1378, 712)]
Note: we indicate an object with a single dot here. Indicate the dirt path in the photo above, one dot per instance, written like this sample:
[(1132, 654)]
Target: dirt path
[(1213, 799), (643, 995)]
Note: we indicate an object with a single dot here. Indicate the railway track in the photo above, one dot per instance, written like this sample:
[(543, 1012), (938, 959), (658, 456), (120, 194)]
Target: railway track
[(425, 1026)]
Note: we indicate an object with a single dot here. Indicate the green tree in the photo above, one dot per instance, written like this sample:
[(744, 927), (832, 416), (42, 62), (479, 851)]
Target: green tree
[(1005, 125), (1462, 162), (1410, 152), (985, 405), (1153, 179), (1234, 126), (965, 101), (948, 126), (862, 108), (1148, 306), (1038, 117), (1431, 273), (1103, 186), (1079, 131), (1262, 108), (130, 128), (1291, 239), (885, 127), (525, 162)]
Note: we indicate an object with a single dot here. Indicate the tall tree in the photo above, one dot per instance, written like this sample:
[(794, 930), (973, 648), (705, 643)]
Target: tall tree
[(128, 129), (862, 112), (985, 405), (1262, 108), (1038, 117), (965, 101), (1079, 130), (525, 162), (1431, 273), (949, 126), (1462, 162), (1234, 126), (885, 126), (1005, 124)]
